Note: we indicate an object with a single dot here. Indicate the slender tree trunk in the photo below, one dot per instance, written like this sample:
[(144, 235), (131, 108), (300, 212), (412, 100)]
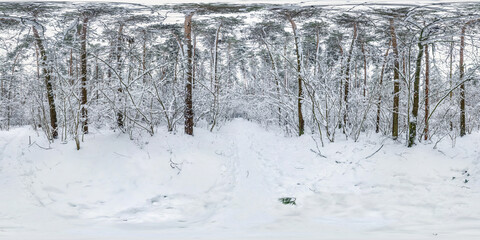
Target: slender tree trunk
[(48, 83), (427, 82), (194, 61), (462, 73), (340, 95), (396, 82), (97, 79), (70, 70), (216, 84), (84, 75), (120, 117), (412, 128), (347, 76), (301, 121), (188, 86), (379, 103), (462, 86), (451, 79), (364, 70), (144, 56), (317, 50)]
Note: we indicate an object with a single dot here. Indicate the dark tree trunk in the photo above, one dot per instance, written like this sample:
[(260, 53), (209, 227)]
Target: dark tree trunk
[(216, 83), (83, 59), (188, 86), (396, 82), (451, 80), (48, 83), (120, 117), (427, 82), (412, 127), (301, 121), (462, 73), (364, 70)]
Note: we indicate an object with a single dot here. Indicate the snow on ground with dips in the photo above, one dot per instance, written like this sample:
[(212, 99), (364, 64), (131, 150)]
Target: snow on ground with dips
[(227, 185)]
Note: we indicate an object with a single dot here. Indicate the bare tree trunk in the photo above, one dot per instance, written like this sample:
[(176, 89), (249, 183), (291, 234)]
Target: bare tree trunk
[(144, 56), (347, 77), (194, 60), (120, 117), (70, 70), (396, 82), (451, 80), (216, 84), (301, 121), (364, 70), (83, 60), (317, 50), (48, 83), (427, 81), (462, 73), (188, 86), (379, 103), (412, 128)]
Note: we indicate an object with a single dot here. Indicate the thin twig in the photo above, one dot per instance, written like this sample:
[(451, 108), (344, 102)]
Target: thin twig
[(374, 152)]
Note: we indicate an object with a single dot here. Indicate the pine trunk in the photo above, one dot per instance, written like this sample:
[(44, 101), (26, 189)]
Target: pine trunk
[(427, 82), (301, 121), (396, 82), (412, 127), (48, 83), (120, 117), (188, 86), (83, 60)]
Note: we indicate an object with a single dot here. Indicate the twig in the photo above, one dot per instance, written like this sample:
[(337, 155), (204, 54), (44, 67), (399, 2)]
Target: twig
[(318, 149), (46, 148), (374, 152)]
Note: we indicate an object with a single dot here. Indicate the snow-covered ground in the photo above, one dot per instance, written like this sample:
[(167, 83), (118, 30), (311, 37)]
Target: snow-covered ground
[(296, 2), (227, 185)]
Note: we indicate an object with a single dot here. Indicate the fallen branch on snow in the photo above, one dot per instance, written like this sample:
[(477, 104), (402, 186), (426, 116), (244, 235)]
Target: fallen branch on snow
[(369, 156)]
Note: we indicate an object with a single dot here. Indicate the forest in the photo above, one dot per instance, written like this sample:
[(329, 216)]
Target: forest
[(240, 120), (408, 72)]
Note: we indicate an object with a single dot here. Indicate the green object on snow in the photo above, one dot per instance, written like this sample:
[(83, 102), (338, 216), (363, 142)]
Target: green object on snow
[(288, 200)]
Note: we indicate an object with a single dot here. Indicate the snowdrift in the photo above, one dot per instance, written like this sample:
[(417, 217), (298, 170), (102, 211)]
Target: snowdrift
[(227, 185)]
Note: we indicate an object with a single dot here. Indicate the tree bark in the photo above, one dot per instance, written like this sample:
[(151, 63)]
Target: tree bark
[(427, 82), (48, 83), (188, 86), (462, 73), (301, 121), (120, 117), (462, 86), (451, 79), (412, 128), (364, 70), (396, 82), (83, 60), (216, 84)]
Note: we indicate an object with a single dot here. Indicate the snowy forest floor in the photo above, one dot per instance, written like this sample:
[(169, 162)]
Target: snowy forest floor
[(227, 185)]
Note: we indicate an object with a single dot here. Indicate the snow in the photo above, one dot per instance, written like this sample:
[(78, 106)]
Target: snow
[(299, 2), (227, 185)]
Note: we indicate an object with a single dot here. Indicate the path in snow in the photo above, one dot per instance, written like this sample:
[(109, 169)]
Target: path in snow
[(227, 184)]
